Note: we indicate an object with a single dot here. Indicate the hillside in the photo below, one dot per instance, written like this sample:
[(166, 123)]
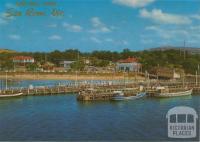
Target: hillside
[(191, 50), (7, 51)]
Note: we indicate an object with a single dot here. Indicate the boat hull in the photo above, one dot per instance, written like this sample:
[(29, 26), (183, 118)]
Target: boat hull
[(11, 95), (176, 94), (121, 98)]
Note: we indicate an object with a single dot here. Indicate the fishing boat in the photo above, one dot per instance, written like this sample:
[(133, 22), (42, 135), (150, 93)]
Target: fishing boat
[(119, 96), (165, 92), (10, 95)]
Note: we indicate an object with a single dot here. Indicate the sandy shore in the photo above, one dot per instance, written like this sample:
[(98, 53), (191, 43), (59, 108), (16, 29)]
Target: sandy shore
[(35, 76)]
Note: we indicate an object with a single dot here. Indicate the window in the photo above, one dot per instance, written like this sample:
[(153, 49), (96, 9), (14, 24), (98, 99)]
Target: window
[(181, 118), (173, 118), (190, 118)]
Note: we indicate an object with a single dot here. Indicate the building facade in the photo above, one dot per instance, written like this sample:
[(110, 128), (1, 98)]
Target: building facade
[(23, 59), (128, 65), (66, 64)]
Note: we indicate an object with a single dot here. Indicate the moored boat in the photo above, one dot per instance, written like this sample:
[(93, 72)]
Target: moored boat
[(10, 95), (164, 92), (119, 96)]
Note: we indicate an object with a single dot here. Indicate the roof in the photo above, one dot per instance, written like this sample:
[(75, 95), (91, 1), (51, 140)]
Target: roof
[(128, 60), (22, 58), (66, 62)]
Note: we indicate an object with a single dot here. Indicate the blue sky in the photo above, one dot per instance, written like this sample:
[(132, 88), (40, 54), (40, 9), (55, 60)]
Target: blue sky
[(90, 25)]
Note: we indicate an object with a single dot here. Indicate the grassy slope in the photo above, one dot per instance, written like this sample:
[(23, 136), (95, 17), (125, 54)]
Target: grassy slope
[(6, 51)]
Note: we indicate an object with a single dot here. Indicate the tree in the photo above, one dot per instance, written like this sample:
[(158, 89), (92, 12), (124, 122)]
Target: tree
[(77, 66)]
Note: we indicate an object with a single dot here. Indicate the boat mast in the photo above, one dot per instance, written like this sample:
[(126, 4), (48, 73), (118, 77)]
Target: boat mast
[(6, 81), (77, 69), (196, 78)]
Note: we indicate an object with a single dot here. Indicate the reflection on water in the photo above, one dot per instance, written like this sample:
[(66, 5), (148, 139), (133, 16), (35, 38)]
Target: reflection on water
[(62, 117), (173, 99)]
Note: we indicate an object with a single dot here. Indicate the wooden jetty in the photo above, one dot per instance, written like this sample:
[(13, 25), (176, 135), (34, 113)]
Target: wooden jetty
[(42, 90), (102, 92), (107, 93)]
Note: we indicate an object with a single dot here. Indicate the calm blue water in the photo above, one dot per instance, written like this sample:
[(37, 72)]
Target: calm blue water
[(63, 118)]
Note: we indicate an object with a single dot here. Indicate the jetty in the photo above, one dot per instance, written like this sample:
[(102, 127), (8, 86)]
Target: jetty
[(105, 91)]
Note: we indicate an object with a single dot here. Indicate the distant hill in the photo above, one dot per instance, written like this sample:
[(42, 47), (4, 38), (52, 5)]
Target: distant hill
[(7, 51), (191, 50)]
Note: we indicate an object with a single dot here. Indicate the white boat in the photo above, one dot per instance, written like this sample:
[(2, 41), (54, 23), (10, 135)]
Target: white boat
[(163, 92), (10, 95), (119, 96)]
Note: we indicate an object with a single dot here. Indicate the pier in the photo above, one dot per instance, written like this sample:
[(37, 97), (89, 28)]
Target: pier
[(93, 92), (42, 90)]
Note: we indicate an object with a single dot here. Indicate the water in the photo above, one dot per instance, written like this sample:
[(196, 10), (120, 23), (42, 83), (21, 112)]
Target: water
[(63, 118), (50, 83)]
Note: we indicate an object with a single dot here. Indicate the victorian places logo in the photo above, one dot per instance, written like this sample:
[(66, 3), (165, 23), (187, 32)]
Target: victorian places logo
[(182, 122)]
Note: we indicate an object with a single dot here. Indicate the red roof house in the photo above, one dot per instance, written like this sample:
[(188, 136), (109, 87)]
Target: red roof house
[(23, 59), (128, 60), (129, 64)]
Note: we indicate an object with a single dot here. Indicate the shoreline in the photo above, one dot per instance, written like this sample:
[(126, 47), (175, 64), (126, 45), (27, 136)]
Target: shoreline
[(32, 76)]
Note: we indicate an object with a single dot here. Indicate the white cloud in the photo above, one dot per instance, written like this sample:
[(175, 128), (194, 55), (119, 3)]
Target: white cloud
[(96, 40), (124, 42), (196, 16), (2, 21), (160, 17), (155, 28), (168, 33), (5, 18), (133, 3), (52, 25), (14, 37), (99, 26), (195, 27), (55, 37), (11, 5), (72, 27), (96, 22)]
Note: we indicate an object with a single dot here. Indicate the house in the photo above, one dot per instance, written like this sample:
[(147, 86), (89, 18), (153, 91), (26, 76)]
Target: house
[(130, 64), (66, 64), (23, 59), (21, 62)]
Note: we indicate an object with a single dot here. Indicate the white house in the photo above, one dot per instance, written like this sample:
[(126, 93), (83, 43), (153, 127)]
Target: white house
[(129, 64), (66, 64)]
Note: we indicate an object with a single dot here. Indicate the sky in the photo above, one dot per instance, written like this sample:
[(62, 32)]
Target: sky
[(90, 25)]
